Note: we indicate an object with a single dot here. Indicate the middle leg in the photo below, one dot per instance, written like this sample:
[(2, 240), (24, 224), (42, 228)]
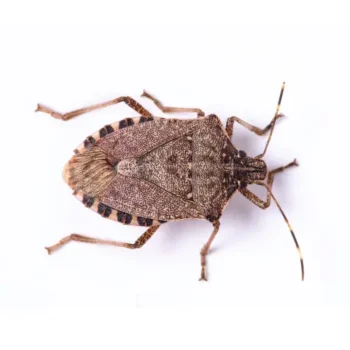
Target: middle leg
[(165, 109), (205, 250)]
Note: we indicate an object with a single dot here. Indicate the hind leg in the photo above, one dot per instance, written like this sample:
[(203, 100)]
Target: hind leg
[(66, 116), (79, 238)]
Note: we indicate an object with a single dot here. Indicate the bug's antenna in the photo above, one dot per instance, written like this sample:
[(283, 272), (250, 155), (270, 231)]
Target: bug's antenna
[(273, 121), (290, 228)]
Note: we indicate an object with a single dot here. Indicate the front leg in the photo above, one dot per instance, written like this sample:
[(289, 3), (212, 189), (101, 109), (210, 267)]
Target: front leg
[(270, 127), (250, 127), (265, 204), (270, 178)]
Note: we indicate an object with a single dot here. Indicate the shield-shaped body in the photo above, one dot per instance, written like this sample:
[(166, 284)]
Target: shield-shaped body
[(145, 171), (148, 170)]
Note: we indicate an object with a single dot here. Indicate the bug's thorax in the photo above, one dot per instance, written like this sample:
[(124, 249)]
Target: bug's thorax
[(247, 169)]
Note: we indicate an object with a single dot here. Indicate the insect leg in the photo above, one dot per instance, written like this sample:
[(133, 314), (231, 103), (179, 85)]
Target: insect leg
[(273, 122), (205, 250), (250, 127), (255, 199), (256, 130), (79, 238), (128, 100), (263, 205), (165, 109), (270, 178)]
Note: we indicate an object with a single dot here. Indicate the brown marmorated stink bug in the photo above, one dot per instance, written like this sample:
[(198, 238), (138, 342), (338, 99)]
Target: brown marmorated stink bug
[(149, 170)]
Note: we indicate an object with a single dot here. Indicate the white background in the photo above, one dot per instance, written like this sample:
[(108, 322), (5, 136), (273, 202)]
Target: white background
[(227, 70)]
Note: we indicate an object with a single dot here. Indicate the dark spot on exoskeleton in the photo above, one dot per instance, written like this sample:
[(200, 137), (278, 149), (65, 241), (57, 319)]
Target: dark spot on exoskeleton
[(122, 124), (107, 212), (172, 159), (230, 191), (242, 154), (227, 158), (213, 218), (88, 200), (189, 157), (144, 222), (145, 119), (103, 132), (229, 179), (210, 173), (243, 185), (91, 139), (149, 222), (76, 151), (129, 121), (104, 210), (109, 129), (101, 208), (125, 218)]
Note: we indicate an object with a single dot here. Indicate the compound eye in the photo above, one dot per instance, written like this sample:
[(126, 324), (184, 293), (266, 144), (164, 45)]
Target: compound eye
[(242, 154)]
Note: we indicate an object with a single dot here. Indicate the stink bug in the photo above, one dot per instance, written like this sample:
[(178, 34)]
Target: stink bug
[(149, 170)]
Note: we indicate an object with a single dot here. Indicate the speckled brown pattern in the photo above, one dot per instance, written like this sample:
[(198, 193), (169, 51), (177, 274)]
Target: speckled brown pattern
[(166, 166), (143, 198), (124, 218), (110, 128), (165, 169), (136, 140), (208, 169)]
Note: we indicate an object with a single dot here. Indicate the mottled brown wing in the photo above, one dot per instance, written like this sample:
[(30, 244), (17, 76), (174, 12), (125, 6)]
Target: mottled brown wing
[(140, 138), (93, 172), (142, 198)]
